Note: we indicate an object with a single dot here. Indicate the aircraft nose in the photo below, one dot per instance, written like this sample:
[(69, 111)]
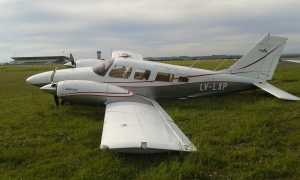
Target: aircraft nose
[(32, 80), (39, 79), (29, 80)]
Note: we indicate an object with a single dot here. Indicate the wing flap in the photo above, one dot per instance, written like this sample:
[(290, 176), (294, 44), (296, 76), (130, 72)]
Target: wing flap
[(141, 127), (276, 91)]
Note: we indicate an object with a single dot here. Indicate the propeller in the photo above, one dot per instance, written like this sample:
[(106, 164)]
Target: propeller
[(56, 100), (54, 85), (72, 60), (52, 76), (52, 88)]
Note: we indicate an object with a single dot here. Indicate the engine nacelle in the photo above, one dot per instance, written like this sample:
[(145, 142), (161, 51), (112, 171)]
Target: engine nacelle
[(89, 92), (86, 92)]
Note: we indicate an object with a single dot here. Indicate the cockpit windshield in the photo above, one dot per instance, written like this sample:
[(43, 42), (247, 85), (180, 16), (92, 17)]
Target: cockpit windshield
[(102, 68)]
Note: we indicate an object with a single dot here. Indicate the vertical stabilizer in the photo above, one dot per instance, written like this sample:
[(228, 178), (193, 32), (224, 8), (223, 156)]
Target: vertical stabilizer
[(261, 61)]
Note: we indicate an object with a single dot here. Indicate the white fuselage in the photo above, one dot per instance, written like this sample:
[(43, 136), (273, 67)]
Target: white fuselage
[(162, 81)]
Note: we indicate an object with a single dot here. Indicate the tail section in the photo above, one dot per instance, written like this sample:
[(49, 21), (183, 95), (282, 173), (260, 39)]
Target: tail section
[(261, 61)]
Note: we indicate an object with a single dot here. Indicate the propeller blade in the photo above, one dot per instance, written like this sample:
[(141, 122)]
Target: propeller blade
[(56, 100), (72, 60), (52, 76)]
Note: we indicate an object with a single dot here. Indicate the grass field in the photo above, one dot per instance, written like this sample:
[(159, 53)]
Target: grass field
[(248, 135)]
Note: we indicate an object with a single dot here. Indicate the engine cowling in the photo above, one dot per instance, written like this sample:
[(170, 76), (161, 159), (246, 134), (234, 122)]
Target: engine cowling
[(86, 92)]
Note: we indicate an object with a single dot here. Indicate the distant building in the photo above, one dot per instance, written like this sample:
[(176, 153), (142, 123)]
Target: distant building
[(39, 60)]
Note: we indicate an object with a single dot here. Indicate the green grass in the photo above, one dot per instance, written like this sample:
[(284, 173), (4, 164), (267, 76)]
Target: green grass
[(248, 135)]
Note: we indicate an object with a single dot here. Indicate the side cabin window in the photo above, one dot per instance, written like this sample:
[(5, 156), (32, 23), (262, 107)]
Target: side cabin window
[(142, 74), (120, 71), (166, 77), (183, 79)]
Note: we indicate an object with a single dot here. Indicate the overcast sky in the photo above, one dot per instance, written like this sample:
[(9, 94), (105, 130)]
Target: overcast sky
[(149, 27)]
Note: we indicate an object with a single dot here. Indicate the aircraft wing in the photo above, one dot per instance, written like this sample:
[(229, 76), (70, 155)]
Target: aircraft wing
[(141, 127), (276, 91)]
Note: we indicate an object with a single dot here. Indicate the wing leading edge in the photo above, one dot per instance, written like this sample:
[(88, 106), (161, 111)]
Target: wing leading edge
[(141, 127)]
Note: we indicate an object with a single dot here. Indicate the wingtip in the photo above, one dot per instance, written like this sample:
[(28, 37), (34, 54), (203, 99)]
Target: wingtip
[(190, 148), (295, 98)]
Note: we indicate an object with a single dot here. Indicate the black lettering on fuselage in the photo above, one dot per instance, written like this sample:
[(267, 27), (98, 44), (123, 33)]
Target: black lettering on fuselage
[(213, 86)]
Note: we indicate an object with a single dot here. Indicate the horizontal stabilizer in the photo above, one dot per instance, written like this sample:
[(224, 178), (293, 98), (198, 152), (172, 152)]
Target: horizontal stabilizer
[(276, 92), (292, 61)]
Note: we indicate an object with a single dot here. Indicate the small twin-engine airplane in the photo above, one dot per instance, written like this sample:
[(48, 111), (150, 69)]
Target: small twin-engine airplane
[(129, 87)]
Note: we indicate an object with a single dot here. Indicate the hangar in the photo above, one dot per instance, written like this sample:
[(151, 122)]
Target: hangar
[(39, 60)]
